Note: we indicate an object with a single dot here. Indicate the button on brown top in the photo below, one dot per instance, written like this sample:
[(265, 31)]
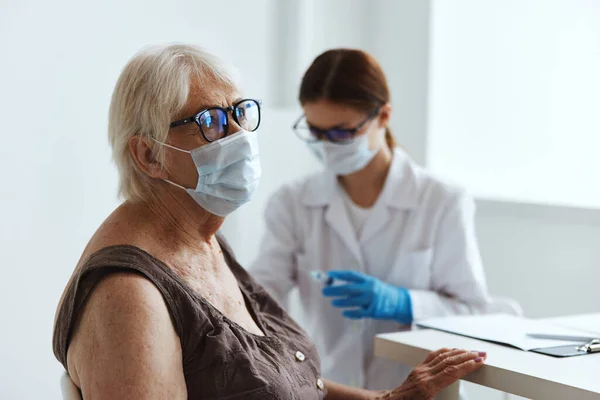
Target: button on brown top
[(220, 358), (299, 356), (320, 384)]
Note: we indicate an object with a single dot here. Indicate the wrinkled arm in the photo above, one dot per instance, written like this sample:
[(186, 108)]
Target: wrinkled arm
[(125, 345)]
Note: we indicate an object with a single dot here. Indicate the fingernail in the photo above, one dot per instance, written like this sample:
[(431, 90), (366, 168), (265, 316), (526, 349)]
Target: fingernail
[(479, 359), (482, 354)]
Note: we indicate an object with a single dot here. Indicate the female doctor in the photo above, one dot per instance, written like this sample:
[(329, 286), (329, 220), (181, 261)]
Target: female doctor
[(399, 243)]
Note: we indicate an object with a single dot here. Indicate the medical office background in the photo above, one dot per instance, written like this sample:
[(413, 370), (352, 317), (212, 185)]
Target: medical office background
[(501, 96)]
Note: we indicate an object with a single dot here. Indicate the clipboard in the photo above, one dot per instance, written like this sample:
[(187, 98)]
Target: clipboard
[(592, 346)]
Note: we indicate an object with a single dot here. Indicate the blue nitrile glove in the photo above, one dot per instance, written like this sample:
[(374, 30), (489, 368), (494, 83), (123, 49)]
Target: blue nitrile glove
[(369, 297)]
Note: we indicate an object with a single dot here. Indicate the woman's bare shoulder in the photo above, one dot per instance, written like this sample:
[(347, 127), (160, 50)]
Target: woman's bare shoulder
[(121, 227), (125, 332), (126, 225)]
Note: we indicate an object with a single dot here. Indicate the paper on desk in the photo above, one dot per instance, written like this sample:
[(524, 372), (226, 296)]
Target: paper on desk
[(589, 323), (504, 329)]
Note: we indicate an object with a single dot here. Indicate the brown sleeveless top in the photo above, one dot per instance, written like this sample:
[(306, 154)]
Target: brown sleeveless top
[(221, 360)]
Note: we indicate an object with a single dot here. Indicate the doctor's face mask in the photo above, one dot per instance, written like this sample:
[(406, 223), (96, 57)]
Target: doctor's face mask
[(343, 139)]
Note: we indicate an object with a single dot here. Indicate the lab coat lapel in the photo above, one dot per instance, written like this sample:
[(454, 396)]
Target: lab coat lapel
[(337, 218), (378, 219), (400, 193)]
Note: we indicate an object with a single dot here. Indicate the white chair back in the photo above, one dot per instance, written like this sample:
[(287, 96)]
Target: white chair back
[(68, 388)]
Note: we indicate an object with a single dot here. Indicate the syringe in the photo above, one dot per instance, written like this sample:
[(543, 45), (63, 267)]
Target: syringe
[(322, 277)]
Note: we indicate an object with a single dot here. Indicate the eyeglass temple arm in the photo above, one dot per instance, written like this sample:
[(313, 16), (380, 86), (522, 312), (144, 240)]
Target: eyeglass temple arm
[(182, 122)]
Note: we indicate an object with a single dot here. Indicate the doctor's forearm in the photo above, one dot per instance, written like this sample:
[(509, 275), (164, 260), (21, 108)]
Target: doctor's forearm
[(430, 304)]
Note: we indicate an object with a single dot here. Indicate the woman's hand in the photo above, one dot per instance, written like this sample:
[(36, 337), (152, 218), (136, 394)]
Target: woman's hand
[(439, 370)]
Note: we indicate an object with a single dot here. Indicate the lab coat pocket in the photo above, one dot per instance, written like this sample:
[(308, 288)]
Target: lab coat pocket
[(412, 269)]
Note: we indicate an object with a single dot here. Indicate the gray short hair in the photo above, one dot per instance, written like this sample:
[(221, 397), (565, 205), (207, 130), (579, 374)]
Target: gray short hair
[(152, 89)]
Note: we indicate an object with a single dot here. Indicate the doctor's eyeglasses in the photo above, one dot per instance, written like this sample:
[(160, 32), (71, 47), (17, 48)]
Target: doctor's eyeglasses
[(214, 122), (309, 133)]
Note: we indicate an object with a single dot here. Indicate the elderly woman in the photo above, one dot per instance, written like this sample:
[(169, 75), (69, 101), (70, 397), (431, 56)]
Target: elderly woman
[(157, 307)]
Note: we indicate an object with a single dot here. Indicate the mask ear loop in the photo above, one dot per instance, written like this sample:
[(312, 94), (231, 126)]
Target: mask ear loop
[(175, 184), (173, 147), (178, 149)]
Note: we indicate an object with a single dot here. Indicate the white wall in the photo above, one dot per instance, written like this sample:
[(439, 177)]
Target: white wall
[(543, 256), (514, 96)]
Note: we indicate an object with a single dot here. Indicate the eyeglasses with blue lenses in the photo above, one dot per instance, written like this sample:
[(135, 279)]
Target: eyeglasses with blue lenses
[(214, 122), (309, 133)]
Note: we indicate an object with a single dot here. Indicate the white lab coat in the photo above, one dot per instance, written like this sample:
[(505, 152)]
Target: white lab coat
[(420, 235)]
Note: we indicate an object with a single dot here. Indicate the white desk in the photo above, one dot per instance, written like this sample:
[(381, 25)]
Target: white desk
[(526, 374)]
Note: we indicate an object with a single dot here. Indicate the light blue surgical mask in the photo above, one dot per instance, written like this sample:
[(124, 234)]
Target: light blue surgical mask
[(344, 159), (228, 172)]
